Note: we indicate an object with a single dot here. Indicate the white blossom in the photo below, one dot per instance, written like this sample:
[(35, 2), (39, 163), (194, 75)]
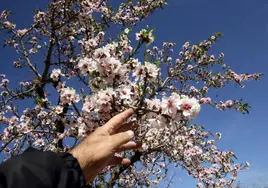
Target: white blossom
[(69, 96)]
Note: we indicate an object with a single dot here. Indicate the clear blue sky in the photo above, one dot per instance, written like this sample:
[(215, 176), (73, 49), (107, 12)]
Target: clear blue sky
[(244, 24)]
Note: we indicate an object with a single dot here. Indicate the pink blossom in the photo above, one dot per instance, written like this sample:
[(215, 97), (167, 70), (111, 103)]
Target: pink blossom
[(170, 105), (21, 32), (56, 73), (88, 106), (125, 92), (205, 100), (151, 70), (9, 25), (59, 109), (4, 14), (190, 107), (69, 96), (87, 65), (229, 103)]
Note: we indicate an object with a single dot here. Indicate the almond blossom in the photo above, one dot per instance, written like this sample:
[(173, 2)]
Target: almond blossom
[(145, 36), (190, 107), (125, 92), (69, 96), (170, 105), (56, 73), (87, 65)]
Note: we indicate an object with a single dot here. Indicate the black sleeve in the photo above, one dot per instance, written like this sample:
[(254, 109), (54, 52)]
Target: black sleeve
[(37, 169)]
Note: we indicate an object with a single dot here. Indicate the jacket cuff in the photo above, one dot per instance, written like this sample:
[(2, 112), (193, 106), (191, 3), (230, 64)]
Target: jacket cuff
[(71, 162)]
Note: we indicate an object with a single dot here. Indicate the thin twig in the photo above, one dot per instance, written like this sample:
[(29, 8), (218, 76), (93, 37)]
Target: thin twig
[(28, 60)]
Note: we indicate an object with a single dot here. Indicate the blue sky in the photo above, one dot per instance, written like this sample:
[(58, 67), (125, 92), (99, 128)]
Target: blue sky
[(244, 24)]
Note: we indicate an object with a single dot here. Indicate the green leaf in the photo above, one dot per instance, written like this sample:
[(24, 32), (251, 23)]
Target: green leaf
[(157, 63), (92, 75), (140, 89), (146, 57)]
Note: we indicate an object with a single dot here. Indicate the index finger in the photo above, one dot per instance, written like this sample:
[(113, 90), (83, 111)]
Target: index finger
[(115, 123)]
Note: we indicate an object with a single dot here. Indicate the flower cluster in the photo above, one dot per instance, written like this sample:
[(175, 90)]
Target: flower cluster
[(105, 64), (189, 107)]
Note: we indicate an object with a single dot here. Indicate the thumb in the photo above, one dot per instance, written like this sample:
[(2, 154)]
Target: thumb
[(121, 138)]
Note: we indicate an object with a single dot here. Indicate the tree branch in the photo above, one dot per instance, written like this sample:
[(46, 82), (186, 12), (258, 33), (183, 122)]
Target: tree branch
[(136, 157), (28, 60)]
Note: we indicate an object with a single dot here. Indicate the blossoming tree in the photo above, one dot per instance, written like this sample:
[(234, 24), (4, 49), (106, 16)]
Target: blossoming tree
[(95, 75)]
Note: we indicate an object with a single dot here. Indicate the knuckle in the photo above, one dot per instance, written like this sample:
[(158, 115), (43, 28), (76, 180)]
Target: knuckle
[(101, 131)]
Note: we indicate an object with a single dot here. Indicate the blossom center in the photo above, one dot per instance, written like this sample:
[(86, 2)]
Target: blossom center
[(170, 104), (140, 72), (186, 106)]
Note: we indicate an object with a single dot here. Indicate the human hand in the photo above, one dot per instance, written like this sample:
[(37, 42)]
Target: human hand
[(98, 149)]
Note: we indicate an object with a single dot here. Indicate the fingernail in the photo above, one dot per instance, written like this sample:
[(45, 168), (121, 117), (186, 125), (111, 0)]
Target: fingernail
[(132, 109), (130, 133), (129, 112)]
